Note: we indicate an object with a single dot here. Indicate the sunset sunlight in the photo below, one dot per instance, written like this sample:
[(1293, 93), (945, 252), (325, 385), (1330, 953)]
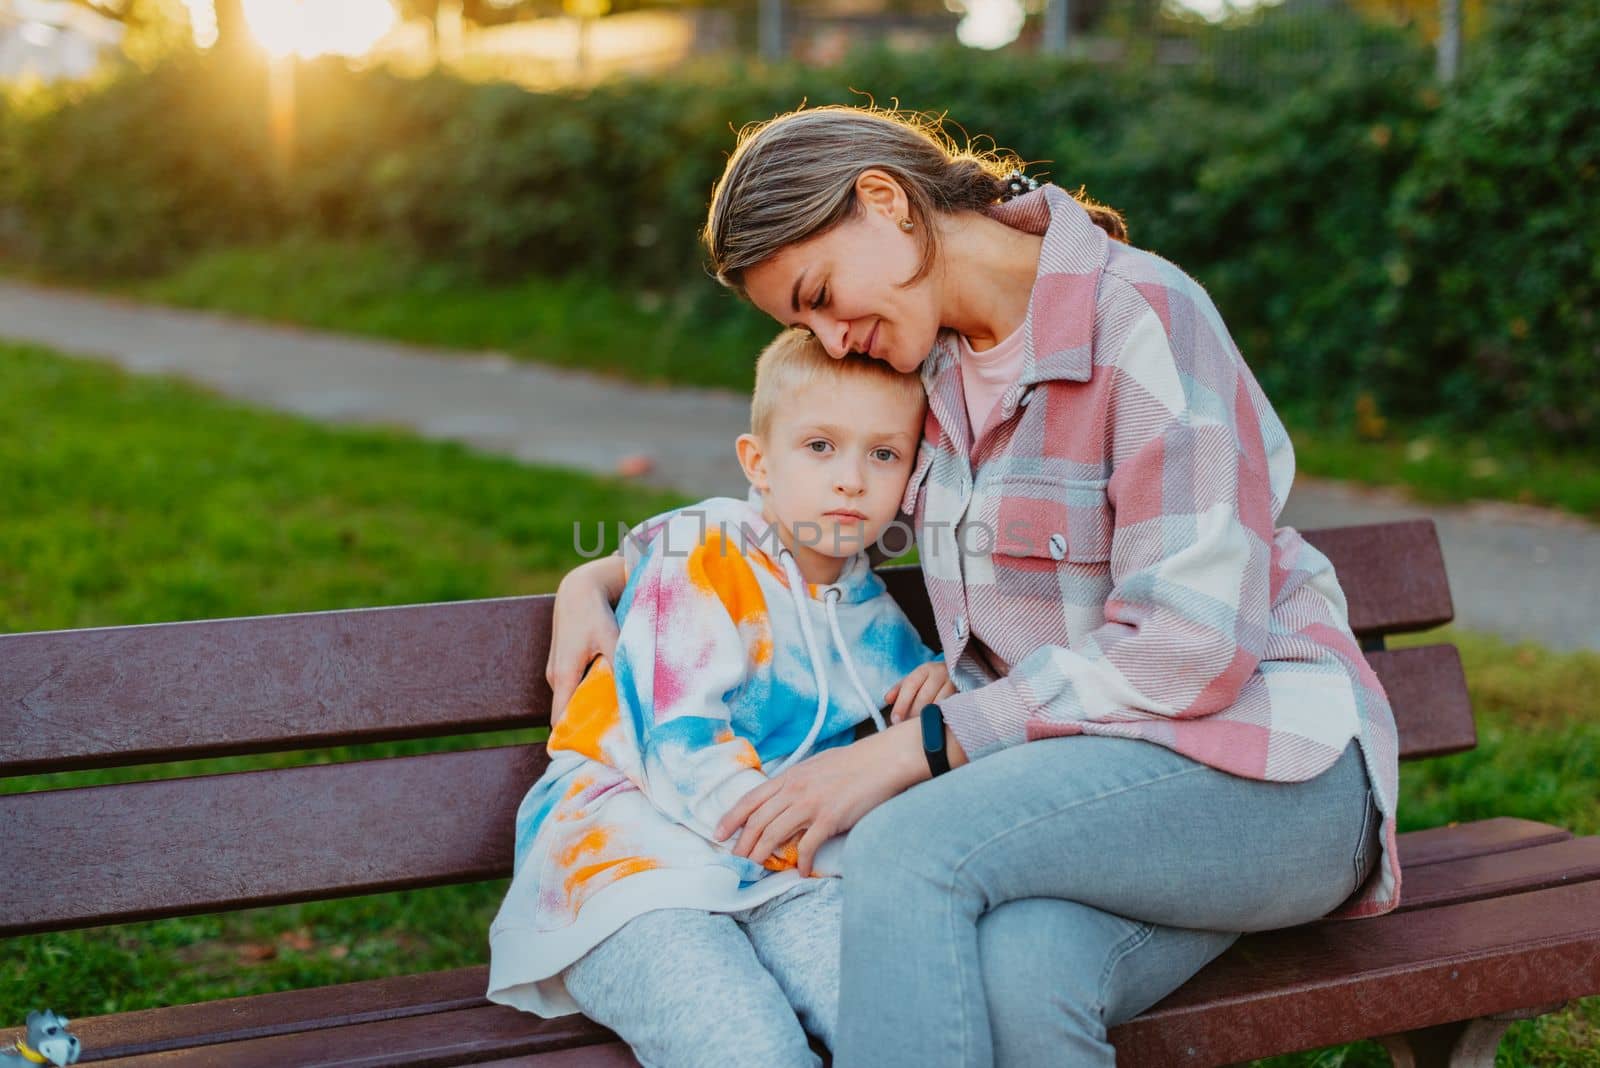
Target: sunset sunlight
[(308, 28)]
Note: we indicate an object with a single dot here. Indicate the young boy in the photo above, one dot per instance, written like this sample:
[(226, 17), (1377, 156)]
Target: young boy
[(752, 633)]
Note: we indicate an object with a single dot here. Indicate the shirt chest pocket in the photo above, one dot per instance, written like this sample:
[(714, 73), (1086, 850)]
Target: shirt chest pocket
[(1042, 522)]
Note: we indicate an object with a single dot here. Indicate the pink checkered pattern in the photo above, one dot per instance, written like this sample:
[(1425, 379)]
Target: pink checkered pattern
[(1105, 561)]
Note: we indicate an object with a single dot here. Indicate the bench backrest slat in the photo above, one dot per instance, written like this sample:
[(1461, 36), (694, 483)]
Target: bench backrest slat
[(1392, 574), (299, 834), (135, 695), (130, 695), (178, 846), (1427, 688)]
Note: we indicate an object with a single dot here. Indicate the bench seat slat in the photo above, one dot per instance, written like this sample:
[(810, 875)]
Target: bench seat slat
[(1439, 852), (177, 846), (435, 1040), (1326, 983), (608, 1055), (1458, 841), (1272, 993), (1429, 883), (1474, 878), (127, 1034)]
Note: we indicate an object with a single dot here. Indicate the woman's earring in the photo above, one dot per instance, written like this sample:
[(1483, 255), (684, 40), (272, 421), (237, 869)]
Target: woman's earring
[(905, 224)]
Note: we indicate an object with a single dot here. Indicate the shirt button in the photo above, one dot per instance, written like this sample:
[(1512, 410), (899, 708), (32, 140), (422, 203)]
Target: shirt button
[(1058, 546), (961, 628)]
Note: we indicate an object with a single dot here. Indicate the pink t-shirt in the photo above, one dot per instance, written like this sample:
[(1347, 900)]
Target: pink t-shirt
[(985, 376)]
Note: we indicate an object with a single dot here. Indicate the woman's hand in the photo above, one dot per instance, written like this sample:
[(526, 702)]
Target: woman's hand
[(583, 627), (825, 794), (926, 684)]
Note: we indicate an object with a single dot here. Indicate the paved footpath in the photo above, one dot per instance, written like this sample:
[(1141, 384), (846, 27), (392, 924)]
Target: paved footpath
[(1520, 572)]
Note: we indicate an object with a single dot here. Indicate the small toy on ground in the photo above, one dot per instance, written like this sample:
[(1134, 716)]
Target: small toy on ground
[(47, 1042)]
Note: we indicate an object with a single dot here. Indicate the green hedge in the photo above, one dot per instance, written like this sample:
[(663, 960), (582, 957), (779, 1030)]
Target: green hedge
[(1495, 285), (1336, 206), (131, 175)]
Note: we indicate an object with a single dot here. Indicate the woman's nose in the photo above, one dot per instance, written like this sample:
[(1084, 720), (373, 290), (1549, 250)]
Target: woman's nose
[(833, 337)]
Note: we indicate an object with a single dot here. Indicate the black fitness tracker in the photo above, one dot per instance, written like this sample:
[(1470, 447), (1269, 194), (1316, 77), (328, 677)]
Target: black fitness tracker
[(933, 740)]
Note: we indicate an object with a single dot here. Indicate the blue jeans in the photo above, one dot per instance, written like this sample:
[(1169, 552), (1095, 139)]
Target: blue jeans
[(1013, 910)]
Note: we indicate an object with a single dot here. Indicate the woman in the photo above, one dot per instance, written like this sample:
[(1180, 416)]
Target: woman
[(1165, 733)]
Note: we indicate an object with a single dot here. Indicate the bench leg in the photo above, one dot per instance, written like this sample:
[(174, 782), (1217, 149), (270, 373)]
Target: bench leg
[(1465, 1044)]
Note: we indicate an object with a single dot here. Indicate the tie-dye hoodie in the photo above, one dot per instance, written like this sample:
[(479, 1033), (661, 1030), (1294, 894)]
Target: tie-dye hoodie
[(728, 668)]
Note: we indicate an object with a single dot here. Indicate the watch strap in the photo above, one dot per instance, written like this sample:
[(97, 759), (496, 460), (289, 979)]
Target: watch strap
[(933, 741)]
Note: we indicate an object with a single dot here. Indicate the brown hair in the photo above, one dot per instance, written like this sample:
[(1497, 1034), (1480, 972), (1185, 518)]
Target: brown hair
[(793, 177)]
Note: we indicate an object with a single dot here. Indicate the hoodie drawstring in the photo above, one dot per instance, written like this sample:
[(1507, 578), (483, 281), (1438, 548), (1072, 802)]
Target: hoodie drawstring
[(798, 595), (830, 599), (797, 588)]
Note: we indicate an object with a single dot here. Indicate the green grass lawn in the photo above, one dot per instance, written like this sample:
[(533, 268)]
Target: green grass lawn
[(132, 500)]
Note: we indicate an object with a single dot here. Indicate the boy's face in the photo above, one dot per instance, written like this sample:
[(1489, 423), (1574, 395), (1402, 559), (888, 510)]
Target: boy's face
[(833, 466)]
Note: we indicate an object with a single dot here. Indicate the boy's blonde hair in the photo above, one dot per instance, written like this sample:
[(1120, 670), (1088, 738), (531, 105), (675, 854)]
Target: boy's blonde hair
[(795, 359)]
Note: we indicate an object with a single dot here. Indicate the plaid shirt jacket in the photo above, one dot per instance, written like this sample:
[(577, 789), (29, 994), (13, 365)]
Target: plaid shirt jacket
[(1104, 559)]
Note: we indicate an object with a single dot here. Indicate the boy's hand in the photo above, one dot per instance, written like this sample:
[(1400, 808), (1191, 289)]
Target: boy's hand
[(825, 795), (925, 685)]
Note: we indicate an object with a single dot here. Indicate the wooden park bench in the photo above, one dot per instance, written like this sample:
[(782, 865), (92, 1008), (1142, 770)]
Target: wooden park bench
[(1500, 920)]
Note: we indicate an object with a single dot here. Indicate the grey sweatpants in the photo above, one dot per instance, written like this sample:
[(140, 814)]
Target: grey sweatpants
[(692, 988)]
